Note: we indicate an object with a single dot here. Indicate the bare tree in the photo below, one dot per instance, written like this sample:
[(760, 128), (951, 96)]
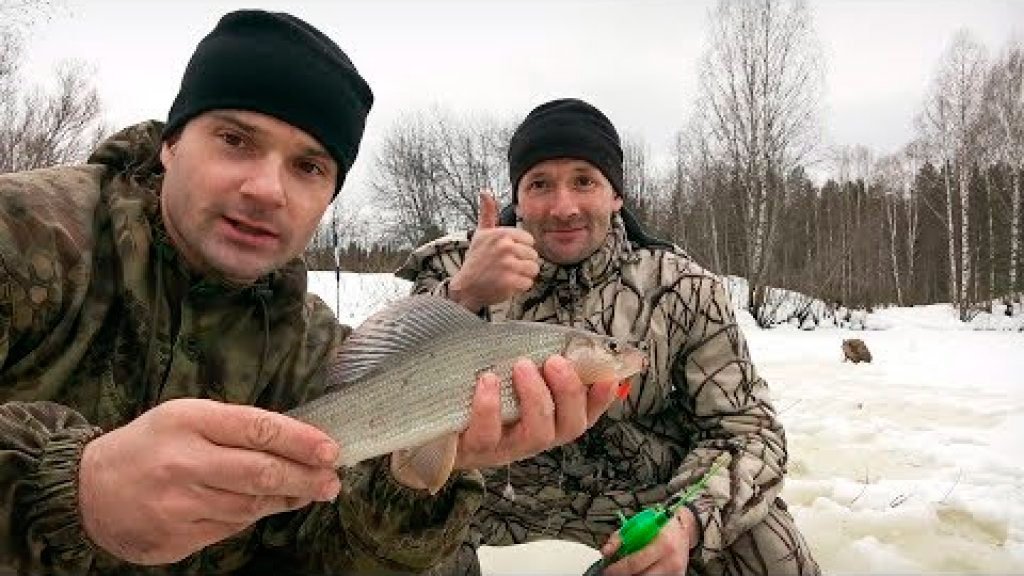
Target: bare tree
[(431, 169), (762, 80), (40, 128), (952, 118), (472, 158), (1006, 105), (643, 185), (693, 177), (406, 182), (890, 179)]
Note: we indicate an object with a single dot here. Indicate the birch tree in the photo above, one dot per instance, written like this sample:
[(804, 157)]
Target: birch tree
[(1006, 104), (952, 115), (761, 80)]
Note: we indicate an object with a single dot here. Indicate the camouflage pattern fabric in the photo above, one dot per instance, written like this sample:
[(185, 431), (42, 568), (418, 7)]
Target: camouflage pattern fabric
[(701, 399), (100, 320)]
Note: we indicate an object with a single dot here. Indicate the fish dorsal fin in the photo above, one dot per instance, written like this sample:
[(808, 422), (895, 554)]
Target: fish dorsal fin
[(400, 328)]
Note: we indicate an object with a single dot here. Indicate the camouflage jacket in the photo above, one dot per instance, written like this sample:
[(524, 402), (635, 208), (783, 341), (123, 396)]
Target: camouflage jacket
[(100, 320), (700, 400)]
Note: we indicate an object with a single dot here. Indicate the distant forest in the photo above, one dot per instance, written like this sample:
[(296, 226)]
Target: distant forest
[(938, 221)]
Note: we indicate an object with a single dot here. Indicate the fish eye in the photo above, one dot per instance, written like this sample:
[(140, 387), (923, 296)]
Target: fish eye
[(613, 345)]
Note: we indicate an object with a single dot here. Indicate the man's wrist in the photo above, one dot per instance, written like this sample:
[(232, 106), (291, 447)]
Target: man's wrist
[(459, 295)]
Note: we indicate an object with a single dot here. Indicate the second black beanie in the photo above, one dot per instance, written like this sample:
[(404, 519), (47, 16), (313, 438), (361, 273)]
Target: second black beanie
[(565, 128)]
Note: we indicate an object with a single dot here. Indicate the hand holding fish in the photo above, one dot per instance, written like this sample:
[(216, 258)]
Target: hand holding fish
[(500, 263), (555, 407), (192, 472)]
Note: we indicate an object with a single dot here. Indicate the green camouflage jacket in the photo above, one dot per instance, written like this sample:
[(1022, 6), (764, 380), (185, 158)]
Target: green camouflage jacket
[(700, 400), (100, 320)]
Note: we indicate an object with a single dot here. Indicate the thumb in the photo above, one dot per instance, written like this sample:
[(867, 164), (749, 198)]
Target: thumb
[(488, 211)]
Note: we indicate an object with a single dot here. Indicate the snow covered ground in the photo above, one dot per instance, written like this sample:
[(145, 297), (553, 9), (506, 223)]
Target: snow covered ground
[(913, 464)]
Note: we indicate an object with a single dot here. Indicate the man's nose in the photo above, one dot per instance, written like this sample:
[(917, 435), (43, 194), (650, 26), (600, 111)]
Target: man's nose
[(265, 182), (566, 204)]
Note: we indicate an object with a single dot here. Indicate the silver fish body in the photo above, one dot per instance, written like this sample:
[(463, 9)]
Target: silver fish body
[(406, 377)]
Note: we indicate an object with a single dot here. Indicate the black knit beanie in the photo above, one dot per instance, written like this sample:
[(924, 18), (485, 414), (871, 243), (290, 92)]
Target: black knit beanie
[(566, 128), (278, 65)]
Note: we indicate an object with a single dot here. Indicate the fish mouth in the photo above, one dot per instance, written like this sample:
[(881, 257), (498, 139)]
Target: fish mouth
[(635, 361)]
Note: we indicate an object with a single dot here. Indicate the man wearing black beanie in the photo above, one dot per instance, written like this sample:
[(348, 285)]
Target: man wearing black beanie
[(568, 252), (156, 324)]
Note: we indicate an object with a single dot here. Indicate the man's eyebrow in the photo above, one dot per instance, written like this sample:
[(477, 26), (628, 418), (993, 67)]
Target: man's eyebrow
[(240, 124), (314, 150), (317, 152)]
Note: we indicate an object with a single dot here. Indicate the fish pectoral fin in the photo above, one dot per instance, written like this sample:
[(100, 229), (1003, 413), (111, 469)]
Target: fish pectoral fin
[(426, 467)]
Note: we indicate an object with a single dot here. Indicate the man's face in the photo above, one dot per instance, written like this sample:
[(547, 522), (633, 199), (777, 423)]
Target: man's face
[(567, 205), (243, 192)]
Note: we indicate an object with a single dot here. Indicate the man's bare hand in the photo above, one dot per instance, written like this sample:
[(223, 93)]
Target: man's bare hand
[(500, 263), (668, 553), (192, 472), (555, 408)]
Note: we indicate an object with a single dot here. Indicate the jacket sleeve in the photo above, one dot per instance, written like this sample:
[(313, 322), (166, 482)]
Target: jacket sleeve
[(376, 524), (40, 442), (429, 267), (40, 528), (736, 425)]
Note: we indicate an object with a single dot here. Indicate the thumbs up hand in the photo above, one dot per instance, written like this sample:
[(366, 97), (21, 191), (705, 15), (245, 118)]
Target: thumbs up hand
[(501, 262)]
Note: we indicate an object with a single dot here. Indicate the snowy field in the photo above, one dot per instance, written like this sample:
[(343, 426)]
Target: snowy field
[(913, 464)]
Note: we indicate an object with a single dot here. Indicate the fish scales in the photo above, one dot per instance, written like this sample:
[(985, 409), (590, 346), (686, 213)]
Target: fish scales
[(406, 377), (429, 393)]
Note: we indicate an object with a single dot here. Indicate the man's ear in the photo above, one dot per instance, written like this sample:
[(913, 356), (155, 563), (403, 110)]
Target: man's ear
[(167, 148), (617, 202)]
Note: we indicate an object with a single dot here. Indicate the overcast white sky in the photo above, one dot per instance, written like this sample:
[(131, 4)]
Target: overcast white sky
[(636, 60)]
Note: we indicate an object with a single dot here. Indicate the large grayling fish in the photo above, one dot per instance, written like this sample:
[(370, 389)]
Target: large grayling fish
[(403, 382)]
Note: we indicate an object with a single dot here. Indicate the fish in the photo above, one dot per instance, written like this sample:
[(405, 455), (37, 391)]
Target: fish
[(402, 383)]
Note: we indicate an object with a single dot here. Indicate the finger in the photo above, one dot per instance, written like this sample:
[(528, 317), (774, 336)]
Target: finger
[(667, 565), (611, 545), (260, 474), (249, 427), (484, 431), (599, 398), (488, 211), (660, 550), (520, 271), (524, 249), (518, 284), (233, 508), (569, 396), (522, 240), (664, 554), (635, 563), (535, 430)]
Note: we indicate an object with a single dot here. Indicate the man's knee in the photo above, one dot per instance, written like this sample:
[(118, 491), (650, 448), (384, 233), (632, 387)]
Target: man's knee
[(774, 546)]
